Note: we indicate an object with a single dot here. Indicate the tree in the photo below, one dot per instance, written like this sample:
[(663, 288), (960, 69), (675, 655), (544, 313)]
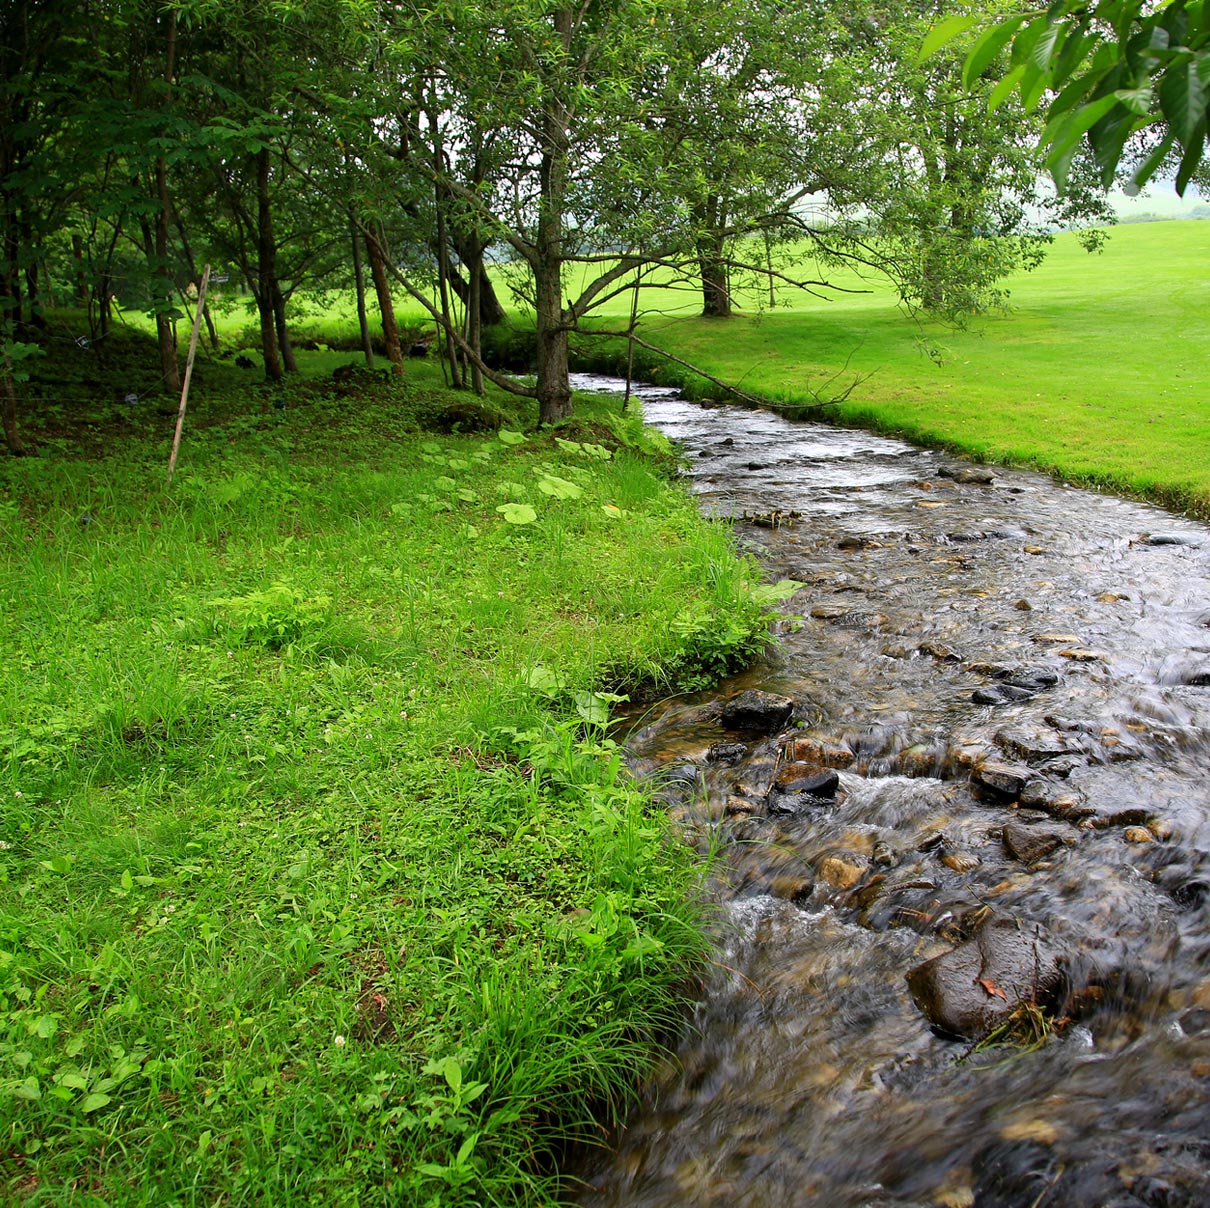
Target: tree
[(1113, 70), (959, 203)]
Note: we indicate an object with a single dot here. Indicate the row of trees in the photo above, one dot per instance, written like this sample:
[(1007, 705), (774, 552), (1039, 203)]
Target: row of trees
[(599, 145)]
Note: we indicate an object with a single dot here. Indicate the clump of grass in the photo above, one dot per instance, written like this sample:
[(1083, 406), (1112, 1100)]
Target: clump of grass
[(320, 878)]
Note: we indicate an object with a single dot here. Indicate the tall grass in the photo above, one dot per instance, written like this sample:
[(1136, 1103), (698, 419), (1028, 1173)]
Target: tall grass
[(320, 879)]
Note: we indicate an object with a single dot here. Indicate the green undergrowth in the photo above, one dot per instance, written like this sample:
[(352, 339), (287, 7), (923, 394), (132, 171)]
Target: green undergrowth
[(321, 879)]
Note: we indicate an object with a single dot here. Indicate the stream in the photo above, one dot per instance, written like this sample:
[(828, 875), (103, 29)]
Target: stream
[(964, 799)]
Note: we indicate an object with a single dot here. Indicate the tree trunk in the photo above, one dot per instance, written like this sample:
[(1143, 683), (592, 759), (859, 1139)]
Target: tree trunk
[(382, 288), (470, 252), (474, 326), (553, 387), (289, 361), (266, 268), (363, 323), (165, 335), (193, 275), (443, 289), (8, 414), (716, 282), (268, 336), (33, 289), (77, 255)]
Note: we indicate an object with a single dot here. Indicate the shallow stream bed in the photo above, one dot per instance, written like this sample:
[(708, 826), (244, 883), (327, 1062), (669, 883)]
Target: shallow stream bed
[(995, 778)]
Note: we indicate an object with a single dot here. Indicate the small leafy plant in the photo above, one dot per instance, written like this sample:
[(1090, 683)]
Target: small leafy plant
[(276, 617)]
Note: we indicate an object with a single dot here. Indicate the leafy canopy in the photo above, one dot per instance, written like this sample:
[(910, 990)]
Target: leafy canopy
[(1114, 70)]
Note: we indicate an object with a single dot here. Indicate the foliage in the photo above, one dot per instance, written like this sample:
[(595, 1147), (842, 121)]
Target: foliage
[(1114, 70)]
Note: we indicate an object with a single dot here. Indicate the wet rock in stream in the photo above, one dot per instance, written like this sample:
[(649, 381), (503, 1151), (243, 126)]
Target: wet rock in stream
[(757, 711), (975, 988), (1030, 844)]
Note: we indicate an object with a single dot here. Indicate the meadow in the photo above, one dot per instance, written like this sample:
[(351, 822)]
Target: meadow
[(1099, 371), (321, 878)]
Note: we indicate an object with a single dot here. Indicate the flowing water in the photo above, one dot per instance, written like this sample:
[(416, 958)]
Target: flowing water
[(1002, 693)]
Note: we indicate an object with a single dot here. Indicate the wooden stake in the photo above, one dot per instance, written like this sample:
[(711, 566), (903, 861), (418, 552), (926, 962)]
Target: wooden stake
[(180, 415)]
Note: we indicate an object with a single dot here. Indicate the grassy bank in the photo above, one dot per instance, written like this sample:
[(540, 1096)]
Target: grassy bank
[(1099, 373), (320, 880)]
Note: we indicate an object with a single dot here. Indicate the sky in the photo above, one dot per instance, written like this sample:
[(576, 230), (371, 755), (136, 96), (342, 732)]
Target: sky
[(1157, 198)]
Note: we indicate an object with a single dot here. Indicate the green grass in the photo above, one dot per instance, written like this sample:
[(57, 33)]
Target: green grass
[(320, 883), (1100, 371)]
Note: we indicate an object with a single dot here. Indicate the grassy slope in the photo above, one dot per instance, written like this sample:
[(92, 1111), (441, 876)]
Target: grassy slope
[(313, 888), (1100, 372)]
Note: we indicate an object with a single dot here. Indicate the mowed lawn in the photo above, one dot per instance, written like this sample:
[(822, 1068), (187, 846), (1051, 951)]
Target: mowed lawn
[(1099, 371)]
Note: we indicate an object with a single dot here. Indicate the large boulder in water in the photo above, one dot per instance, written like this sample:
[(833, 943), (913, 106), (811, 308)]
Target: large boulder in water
[(758, 711), (975, 988)]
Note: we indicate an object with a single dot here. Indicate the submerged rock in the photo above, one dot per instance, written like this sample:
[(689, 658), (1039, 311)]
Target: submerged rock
[(1028, 844), (827, 752), (759, 711), (803, 777), (726, 752), (1003, 780)]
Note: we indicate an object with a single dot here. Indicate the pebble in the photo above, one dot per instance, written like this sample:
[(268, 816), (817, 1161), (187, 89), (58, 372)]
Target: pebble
[(842, 874), (1081, 654), (1138, 834), (960, 861)]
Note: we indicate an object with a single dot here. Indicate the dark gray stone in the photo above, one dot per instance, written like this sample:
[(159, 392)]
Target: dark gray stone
[(975, 987), (806, 778), (1004, 780), (726, 752), (1028, 844), (758, 711), (1000, 694)]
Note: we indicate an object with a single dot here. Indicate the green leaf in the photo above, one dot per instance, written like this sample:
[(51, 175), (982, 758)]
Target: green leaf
[(203, 1142), (987, 46), (770, 593), (517, 513), (1144, 172), (1005, 88), (95, 1101), (560, 488), (1137, 100), (1191, 159), (59, 864), (543, 679), (942, 33), (510, 438), (452, 1073), (1183, 99), (1043, 52)]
